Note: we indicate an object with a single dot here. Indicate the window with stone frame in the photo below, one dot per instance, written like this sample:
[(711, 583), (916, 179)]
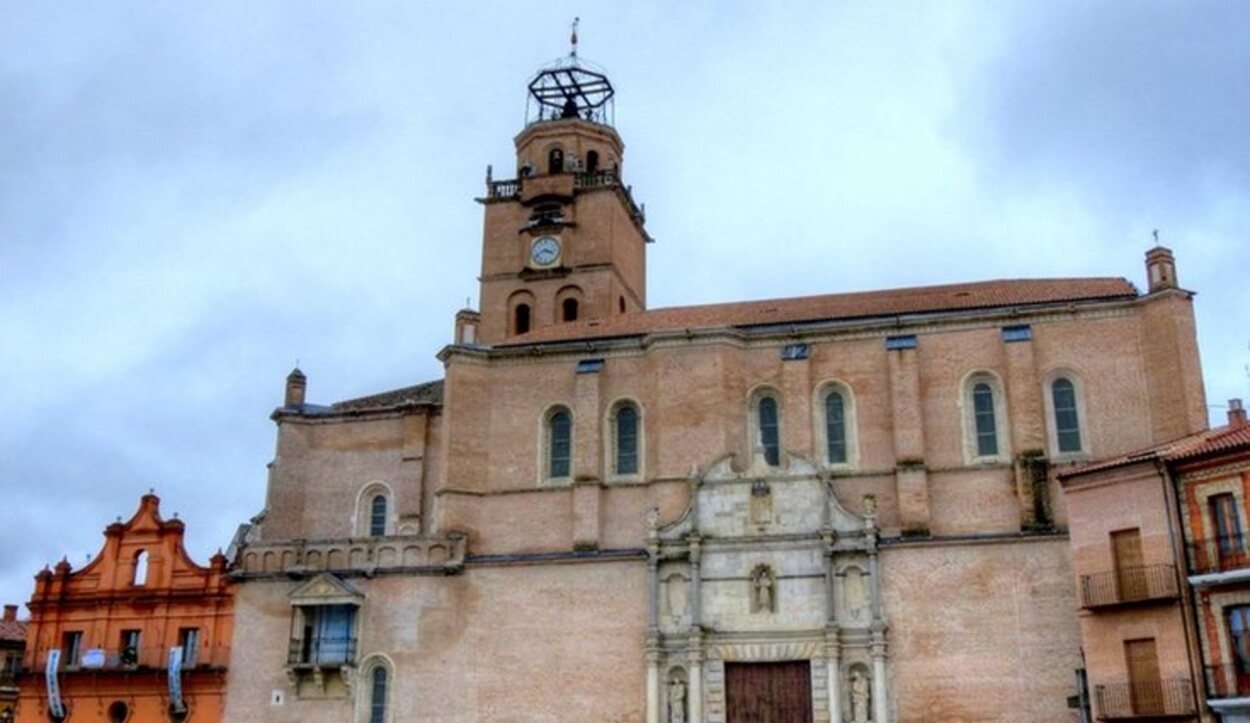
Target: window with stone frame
[(626, 434), (558, 446), (768, 427), (378, 684), (835, 427), (1067, 418), (377, 515)]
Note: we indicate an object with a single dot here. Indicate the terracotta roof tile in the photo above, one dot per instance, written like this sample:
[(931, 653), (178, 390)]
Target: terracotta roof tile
[(13, 630), (1210, 441), (832, 307), (427, 393)]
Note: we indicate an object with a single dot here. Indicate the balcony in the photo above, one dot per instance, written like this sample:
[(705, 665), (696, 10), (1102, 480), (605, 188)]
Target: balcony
[(1129, 586), (1219, 554), (322, 652), (1151, 700), (1227, 681), (145, 658), (364, 555), (582, 181)]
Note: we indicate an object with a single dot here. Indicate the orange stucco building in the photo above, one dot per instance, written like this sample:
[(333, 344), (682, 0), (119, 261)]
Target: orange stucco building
[(139, 635)]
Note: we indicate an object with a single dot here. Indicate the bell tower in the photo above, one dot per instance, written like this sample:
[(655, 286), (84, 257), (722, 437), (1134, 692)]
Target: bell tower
[(563, 240)]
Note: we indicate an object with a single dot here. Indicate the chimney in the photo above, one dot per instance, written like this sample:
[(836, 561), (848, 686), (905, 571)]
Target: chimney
[(296, 383), (1236, 413), (10, 613), (1160, 269), (466, 327)]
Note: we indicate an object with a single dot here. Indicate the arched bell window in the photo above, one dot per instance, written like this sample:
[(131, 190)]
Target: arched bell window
[(141, 569), (592, 161), (521, 319), (555, 160), (569, 309)]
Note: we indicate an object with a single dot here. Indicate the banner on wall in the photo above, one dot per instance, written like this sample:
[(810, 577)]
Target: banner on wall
[(175, 679), (55, 707)]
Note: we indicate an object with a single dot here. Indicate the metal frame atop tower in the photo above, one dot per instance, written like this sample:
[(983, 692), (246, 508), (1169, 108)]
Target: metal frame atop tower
[(571, 87)]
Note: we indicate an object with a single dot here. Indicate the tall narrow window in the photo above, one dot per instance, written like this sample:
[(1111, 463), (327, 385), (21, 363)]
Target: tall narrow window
[(835, 428), (377, 516), (569, 308), (141, 568), (592, 161), (627, 440), (1067, 422), (768, 430), (560, 444), (1227, 526), (521, 322), (189, 641), (986, 425), (1239, 637), (377, 696), (71, 647)]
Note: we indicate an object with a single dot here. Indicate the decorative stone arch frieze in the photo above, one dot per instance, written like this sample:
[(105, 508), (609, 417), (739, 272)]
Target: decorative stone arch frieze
[(966, 408)]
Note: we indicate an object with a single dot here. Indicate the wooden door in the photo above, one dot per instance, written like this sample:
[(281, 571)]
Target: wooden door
[(1145, 685), (1130, 570), (769, 692)]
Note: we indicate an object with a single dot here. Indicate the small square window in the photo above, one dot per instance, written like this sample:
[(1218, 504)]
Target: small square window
[(794, 352), (1022, 332), (589, 366), (900, 342)]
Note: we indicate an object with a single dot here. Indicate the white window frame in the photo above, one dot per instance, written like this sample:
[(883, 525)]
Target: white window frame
[(609, 442), (363, 513), (1048, 401)]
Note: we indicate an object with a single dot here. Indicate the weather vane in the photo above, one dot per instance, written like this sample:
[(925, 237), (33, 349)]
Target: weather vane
[(573, 39), (1156, 235)]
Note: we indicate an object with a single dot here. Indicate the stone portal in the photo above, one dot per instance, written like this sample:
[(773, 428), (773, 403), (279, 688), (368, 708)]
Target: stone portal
[(769, 692)]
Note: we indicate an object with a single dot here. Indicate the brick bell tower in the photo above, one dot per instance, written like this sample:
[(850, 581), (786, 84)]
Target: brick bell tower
[(563, 241)]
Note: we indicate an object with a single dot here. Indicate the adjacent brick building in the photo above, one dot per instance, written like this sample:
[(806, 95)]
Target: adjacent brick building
[(1164, 572), (833, 508), (12, 644), (141, 634)]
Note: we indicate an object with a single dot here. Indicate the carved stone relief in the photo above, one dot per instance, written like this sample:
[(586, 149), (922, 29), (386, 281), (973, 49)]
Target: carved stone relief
[(763, 590), (676, 598)]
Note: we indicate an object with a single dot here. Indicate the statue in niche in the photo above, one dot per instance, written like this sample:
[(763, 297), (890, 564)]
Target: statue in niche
[(676, 701), (763, 590), (856, 595), (861, 694)]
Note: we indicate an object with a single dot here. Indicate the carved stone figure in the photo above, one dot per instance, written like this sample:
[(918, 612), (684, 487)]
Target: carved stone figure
[(861, 693), (653, 520), (676, 701), (870, 505), (762, 593)]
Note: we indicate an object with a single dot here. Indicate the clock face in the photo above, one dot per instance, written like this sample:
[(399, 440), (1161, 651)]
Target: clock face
[(545, 251)]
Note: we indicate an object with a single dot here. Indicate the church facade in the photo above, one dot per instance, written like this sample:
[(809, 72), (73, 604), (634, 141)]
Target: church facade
[(839, 508)]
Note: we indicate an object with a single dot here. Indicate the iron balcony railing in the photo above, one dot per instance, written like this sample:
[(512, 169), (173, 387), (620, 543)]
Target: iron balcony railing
[(582, 180), (322, 651), (1145, 700), (1219, 554), (1227, 681), (147, 658), (1129, 585)]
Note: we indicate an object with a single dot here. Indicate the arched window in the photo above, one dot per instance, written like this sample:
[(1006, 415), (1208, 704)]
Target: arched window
[(377, 516), (620, 303), (569, 309), (555, 161), (141, 568), (985, 423), (559, 444), (1067, 420), (769, 429), (118, 712), (625, 430), (592, 161), (521, 319), (377, 695), (835, 428)]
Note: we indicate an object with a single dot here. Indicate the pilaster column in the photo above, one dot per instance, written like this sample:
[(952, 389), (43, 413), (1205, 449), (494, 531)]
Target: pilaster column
[(696, 587), (696, 681), (653, 681), (880, 707), (831, 599), (653, 587), (833, 674)]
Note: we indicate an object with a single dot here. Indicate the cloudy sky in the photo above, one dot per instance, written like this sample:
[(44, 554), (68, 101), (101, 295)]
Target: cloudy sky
[(195, 196)]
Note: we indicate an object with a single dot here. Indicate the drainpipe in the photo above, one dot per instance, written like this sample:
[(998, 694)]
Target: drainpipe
[(1189, 619)]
